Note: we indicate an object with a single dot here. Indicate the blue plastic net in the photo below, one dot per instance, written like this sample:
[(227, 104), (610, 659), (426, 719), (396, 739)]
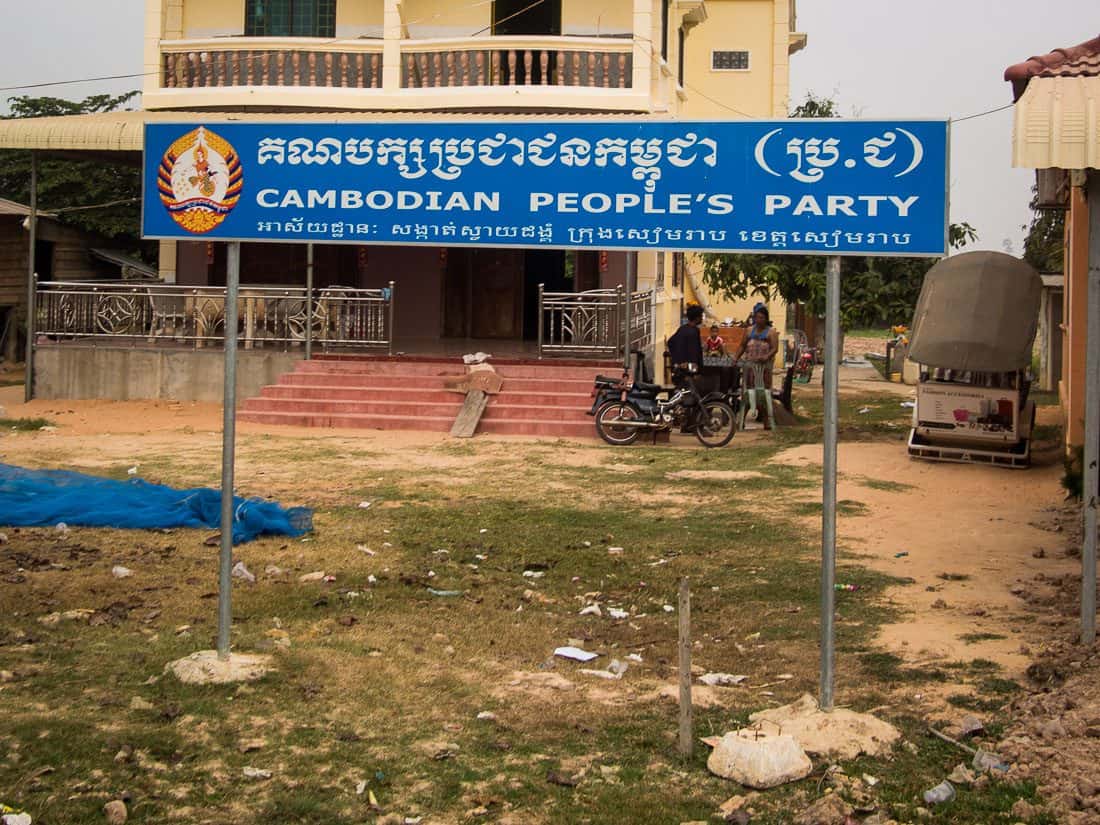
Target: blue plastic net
[(44, 498)]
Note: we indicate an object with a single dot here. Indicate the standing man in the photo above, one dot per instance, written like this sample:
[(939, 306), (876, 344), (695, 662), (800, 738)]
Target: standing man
[(685, 346)]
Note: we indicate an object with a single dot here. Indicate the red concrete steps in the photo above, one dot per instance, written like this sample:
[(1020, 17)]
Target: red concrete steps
[(546, 399)]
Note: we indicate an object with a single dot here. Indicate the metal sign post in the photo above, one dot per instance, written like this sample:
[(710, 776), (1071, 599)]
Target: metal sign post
[(309, 301), (32, 242), (830, 390), (1091, 474), (229, 431)]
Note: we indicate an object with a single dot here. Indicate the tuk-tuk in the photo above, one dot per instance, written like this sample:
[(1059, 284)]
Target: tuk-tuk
[(973, 332)]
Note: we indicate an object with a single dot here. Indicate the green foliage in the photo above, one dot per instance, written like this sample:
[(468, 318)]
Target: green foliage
[(875, 291), (1045, 241), (64, 184)]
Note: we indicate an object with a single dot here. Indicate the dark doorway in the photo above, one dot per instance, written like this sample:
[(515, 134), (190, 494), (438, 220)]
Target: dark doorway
[(527, 17), (43, 260), (518, 17), (546, 267), (483, 294)]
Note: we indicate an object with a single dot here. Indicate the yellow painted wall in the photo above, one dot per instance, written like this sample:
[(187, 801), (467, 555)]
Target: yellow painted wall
[(437, 18), (213, 18), (597, 17), (1075, 319), (732, 25), (359, 18)]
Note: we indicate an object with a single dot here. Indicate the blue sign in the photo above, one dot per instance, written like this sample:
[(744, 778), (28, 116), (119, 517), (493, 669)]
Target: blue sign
[(829, 187)]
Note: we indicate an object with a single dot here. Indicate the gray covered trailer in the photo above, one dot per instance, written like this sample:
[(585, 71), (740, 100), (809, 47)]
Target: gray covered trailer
[(973, 332)]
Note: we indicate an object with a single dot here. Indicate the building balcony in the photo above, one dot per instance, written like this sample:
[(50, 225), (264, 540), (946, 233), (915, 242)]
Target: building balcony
[(397, 57), (542, 72)]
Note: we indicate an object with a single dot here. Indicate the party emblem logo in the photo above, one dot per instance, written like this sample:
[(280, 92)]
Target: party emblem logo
[(200, 180)]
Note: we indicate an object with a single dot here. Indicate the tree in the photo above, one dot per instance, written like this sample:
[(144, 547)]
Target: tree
[(65, 184), (1044, 245), (874, 290)]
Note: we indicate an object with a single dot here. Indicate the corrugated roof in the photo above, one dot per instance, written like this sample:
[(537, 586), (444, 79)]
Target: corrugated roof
[(12, 208), (124, 131), (1082, 60)]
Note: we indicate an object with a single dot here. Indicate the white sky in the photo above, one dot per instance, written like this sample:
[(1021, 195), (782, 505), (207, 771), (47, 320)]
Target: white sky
[(933, 58)]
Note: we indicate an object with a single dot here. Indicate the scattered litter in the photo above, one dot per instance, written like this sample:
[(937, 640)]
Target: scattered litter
[(591, 610), (386, 544), (986, 761), (722, 679), (961, 775), (944, 792), (786, 677), (241, 572), (3, 538), (615, 670), (13, 817), (613, 551), (364, 505), (634, 657), (483, 530), (481, 557), (586, 543), (360, 787), (329, 579), (316, 576), (372, 579), (445, 593), (120, 572), (476, 358), (533, 574), (256, 773), (618, 613), (575, 653), (971, 726), (487, 716), (441, 552), (362, 548), (909, 404), (901, 555), (848, 588), (658, 563), (431, 574), (668, 608), (869, 780), (864, 410), (272, 570), (132, 471)]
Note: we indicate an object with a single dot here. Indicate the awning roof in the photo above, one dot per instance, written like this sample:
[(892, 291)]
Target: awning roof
[(977, 311), (124, 131), (129, 266), (1057, 124), (1057, 98), (20, 210)]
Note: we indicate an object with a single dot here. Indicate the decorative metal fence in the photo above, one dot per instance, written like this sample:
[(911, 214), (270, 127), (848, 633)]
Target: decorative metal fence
[(595, 323), (171, 314)]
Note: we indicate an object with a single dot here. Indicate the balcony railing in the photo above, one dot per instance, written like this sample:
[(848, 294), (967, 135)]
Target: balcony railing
[(598, 322), (168, 314), (586, 62), (263, 61)]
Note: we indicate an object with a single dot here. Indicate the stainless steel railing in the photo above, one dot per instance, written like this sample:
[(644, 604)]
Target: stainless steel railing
[(166, 314), (596, 323)]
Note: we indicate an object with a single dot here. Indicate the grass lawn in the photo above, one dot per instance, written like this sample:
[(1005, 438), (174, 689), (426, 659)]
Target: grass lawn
[(380, 680)]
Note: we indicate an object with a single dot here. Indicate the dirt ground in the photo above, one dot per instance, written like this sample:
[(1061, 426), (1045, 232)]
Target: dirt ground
[(977, 562)]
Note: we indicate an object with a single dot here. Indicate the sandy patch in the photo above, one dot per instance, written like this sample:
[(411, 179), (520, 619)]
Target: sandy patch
[(715, 475), (968, 537)]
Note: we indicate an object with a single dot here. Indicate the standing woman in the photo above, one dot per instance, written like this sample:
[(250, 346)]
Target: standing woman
[(759, 347)]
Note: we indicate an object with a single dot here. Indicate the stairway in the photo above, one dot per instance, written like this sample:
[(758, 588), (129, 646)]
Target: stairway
[(542, 398)]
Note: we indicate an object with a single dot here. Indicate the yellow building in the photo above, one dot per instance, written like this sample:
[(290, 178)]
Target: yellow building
[(377, 60)]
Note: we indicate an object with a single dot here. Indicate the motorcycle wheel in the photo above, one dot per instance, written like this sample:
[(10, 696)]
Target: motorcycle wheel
[(616, 434), (715, 424)]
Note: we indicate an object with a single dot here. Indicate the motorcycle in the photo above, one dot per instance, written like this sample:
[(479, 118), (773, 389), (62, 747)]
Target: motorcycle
[(623, 409)]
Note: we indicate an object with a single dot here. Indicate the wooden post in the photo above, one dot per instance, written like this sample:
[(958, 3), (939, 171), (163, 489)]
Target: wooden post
[(687, 741)]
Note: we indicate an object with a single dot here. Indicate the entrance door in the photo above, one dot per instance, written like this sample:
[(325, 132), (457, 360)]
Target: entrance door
[(525, 17), (497, 293)]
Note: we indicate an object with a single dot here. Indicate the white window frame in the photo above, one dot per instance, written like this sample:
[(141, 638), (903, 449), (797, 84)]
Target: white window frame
[(748, 54)]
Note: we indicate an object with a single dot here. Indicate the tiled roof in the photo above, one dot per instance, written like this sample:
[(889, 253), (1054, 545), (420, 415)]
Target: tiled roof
[(1082, 60)]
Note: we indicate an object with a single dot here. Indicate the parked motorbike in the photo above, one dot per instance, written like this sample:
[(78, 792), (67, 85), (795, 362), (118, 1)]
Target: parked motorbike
[(623, 410)]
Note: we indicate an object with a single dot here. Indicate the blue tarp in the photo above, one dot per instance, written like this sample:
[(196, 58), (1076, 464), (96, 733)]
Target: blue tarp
[(43, 498)]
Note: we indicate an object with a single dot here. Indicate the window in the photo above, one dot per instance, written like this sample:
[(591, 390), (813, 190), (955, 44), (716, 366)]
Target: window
[(660, 271), (729, 61), (290, 18), (677, 270)]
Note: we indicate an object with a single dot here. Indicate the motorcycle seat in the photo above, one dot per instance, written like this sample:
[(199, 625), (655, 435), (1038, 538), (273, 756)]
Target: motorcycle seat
[(607, 379), (644, 386)]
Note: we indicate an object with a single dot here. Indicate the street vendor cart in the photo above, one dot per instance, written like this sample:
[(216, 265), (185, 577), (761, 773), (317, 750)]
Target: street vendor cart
[(973, 332)]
